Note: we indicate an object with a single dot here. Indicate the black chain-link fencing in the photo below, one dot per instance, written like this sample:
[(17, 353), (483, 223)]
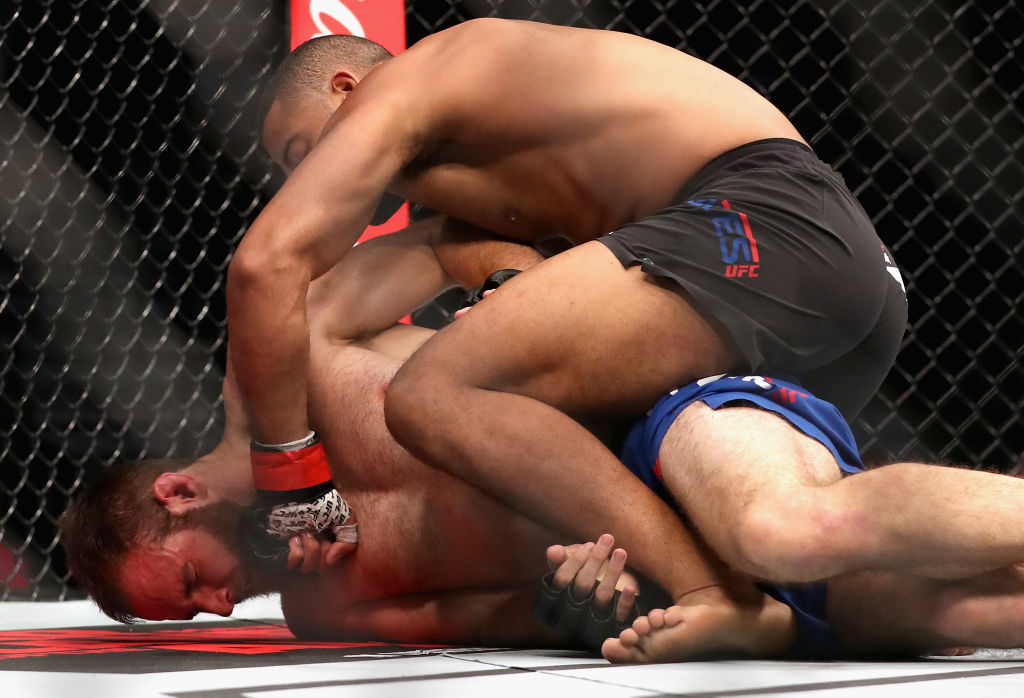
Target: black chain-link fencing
[(129, 170)]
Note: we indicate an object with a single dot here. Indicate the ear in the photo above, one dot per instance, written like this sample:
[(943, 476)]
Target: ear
[(343, 81), (178, 492)]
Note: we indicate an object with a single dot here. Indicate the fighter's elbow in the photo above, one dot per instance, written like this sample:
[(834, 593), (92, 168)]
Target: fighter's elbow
[(259, 267), (244, 267), (245, 273)]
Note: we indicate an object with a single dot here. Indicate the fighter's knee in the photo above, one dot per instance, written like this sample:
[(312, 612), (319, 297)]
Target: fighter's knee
[(404, 406), (789, 541)]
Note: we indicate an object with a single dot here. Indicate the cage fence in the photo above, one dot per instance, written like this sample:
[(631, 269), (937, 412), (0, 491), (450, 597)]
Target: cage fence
[(129, 171)]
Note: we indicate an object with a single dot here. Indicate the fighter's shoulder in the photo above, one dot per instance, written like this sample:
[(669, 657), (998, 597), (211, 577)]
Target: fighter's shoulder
[(436, 65), (472, 30), (473, 43), (461, 37)]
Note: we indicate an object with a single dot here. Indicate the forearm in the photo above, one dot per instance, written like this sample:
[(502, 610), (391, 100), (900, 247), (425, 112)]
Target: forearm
[(309, 226), (379, 282), (269, 349), (268, 281)]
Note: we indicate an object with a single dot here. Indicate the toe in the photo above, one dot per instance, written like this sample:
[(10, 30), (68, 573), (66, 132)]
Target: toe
[(615, 652), (673, 616)]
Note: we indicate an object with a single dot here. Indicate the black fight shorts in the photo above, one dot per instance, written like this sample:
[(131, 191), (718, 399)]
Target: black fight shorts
[(768, 240)]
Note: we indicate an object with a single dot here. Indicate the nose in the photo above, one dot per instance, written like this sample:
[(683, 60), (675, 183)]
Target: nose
[(217, 600)]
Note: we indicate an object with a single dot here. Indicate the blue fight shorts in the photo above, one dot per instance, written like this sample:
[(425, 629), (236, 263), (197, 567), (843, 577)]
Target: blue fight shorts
[(816, 418)]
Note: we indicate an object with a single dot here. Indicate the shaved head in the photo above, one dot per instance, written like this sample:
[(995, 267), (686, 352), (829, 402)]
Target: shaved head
[(308, 69)]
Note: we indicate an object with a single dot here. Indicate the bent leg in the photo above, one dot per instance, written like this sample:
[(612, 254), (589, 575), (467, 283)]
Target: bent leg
[(936, 521), (771, 501), (488, 400), (488, 397), (752, 485)]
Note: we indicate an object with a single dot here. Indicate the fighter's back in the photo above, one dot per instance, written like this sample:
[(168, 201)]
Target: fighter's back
[(532, 130)]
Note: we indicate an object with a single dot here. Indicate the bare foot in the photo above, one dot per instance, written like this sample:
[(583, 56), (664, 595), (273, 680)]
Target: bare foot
[(714, 625)]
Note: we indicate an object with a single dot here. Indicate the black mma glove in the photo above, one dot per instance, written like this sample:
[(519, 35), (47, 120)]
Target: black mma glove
[(580, 621), (476, 294)]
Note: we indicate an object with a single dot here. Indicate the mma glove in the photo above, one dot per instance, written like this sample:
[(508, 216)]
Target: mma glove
[(476, 294), (580, 620), (294, 494)]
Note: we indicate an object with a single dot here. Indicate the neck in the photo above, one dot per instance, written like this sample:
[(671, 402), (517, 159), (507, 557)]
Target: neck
[(227, 473), (228, 477)]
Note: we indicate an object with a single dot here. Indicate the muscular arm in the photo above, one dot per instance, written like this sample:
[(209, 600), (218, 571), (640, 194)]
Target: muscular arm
[(379, 282), (402, 113), (386, 278), (305, 230)]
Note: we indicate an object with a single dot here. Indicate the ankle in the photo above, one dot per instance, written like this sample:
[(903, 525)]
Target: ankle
[(710, 594), (733, 594)]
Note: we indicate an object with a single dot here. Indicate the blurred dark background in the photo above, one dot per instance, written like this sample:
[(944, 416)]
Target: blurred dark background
[(129, 170)]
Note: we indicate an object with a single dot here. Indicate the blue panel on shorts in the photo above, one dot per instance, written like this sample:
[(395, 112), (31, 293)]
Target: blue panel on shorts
[(816, 418), (814, 636)]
